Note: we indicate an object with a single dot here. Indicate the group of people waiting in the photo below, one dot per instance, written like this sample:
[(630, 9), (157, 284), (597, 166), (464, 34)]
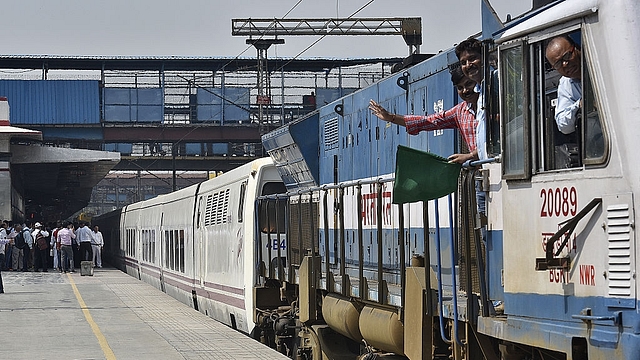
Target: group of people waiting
[(34, 247), (89, 242)]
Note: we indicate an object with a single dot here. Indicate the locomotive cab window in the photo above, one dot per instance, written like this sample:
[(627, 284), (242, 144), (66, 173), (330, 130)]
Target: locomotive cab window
[(515, 131), (570, 124), (490, 103), (564, 129)]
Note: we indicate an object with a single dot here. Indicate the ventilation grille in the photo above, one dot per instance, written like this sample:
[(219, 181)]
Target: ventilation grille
[(466, 233), (217, 209), (331, 139), (619, 238)]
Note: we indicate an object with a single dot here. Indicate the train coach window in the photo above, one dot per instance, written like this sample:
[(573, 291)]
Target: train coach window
[(143, 240), (243, 190), (180, 266), (168, 249), (131, 242), (148, 245), (271, 188), (172, 252), (153, 246)]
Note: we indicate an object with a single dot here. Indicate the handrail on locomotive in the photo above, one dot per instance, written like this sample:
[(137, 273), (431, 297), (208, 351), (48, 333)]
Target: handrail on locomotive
[(466, 206)]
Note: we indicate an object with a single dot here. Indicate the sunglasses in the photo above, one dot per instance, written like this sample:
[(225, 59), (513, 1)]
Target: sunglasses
[(565, 58)]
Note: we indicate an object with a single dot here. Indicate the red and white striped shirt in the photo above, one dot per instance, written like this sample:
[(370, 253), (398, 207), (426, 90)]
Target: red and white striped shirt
[(459, 117)]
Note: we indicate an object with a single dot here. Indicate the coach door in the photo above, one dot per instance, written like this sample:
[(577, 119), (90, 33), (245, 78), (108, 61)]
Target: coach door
[(163, 254), (199, 239)]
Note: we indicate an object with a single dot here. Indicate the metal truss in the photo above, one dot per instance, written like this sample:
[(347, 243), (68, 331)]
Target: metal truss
[(409, 28)]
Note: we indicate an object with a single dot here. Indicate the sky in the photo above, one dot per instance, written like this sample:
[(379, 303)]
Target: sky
[(203, 27)]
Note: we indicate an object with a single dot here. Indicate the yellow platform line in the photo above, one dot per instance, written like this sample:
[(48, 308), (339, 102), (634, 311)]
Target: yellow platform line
[(104, 345)]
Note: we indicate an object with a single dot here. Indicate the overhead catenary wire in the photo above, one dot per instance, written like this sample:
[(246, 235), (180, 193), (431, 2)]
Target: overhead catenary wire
[(276, 70), (222, 97), (323, 36)]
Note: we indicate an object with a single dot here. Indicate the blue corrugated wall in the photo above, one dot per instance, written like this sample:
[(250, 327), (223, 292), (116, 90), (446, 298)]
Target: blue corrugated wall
[(52, 102)]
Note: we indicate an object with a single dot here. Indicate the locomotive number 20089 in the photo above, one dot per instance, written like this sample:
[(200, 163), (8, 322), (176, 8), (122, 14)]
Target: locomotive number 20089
[(559, 201)]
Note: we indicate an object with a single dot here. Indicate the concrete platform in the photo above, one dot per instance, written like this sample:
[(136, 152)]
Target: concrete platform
[(109, 315)]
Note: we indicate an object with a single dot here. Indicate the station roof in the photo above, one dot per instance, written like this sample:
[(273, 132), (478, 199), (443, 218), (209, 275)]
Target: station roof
[(57, 182), (19, 133), (176, 63)]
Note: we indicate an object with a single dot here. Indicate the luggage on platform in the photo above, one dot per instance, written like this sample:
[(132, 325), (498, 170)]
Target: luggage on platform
[(86, 268)]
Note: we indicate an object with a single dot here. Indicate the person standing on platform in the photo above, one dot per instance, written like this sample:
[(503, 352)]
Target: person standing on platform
[(55, 247), (19, 248), (40, 247), (66, 237), (9, 248), (96, 244), (84, 236), (3, 236), (4, 240), (28, 250)]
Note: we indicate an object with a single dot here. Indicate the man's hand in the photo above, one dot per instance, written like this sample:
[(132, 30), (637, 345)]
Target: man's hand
[(379, 111), (460, 158)]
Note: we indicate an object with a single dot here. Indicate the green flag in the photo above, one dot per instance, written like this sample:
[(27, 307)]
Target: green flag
[(422, 176)]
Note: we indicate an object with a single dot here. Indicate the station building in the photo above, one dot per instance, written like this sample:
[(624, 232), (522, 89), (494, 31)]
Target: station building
[(103, 132)]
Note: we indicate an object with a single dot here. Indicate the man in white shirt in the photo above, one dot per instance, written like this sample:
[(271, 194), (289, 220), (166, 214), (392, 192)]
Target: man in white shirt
[(96, 244), (55, 247), (4, 240), (3, 236), (8, 260), (84, 237), (565, 56), (40, 248)]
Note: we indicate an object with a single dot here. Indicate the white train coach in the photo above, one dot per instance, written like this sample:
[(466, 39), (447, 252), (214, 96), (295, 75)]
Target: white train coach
[(197, 244)]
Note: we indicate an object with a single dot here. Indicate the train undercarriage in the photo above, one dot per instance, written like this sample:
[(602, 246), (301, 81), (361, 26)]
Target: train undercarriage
[(338, 327)]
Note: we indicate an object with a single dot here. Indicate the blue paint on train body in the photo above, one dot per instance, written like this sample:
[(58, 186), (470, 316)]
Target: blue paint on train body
[(547, 319), (356, 144), (494, 253)]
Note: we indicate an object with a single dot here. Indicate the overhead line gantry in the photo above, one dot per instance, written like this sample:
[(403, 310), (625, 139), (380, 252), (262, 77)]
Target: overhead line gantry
[(263, 33), (409, 28)]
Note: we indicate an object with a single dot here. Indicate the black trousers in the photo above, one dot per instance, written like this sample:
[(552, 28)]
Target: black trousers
[(26, 251), (41, 259), (86, 252)]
